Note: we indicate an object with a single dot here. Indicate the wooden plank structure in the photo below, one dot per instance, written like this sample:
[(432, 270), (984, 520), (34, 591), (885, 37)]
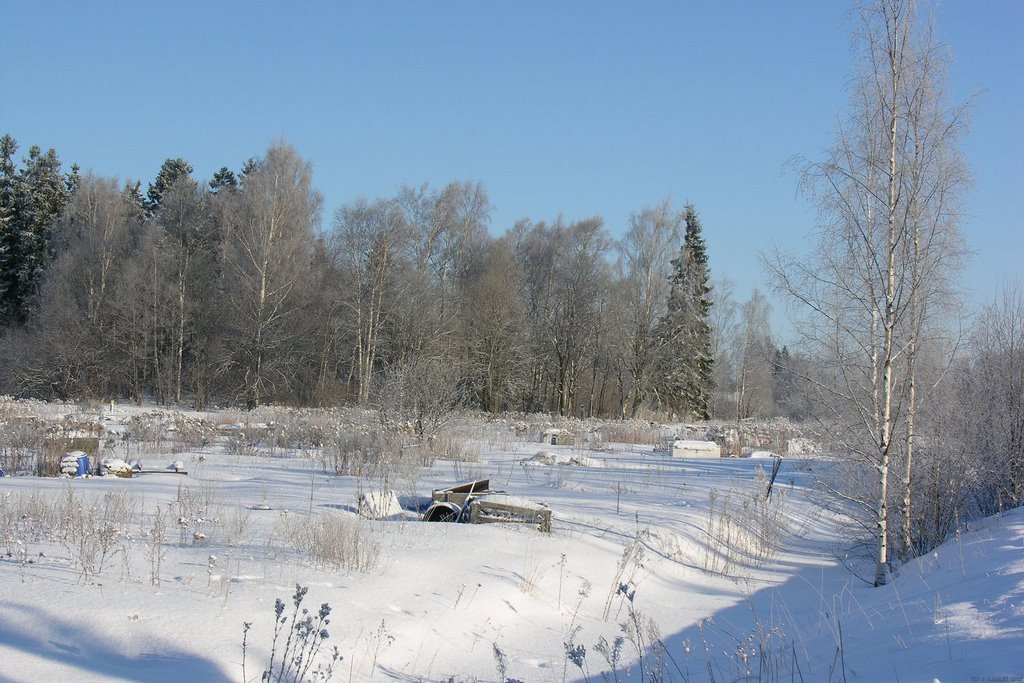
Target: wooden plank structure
[(501, 508), (460, 493)]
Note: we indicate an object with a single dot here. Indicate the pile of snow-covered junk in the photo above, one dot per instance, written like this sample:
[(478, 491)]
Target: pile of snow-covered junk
[(474, 502)]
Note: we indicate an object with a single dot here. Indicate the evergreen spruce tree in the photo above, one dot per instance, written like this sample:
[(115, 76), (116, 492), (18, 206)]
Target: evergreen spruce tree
[(170, 171), (8, 194), (685, 362), (72, 179), (132, 193), (40, 195), (248, 168), (223, 179)]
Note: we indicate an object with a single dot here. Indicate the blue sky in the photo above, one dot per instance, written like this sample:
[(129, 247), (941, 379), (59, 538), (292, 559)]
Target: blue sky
[(571, 108)]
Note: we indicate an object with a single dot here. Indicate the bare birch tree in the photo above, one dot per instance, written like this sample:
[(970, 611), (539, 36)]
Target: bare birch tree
[(886, 193), (580, 279), (184, 215), (271, 224), (724, 329), (494, 329), (447, 229), (647, 252), (368, 242), (752, 351)]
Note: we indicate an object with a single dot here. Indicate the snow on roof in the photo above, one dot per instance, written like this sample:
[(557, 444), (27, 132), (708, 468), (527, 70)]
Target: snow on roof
[(695, 445)]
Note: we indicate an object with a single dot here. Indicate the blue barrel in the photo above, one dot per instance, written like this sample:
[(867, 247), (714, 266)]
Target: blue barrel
[(83, 466)]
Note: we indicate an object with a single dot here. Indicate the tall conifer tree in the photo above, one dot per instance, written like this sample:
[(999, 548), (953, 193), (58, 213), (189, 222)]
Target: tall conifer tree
[(223, 179), (31, 201), (170, 171), (8, 194), (685, 363)]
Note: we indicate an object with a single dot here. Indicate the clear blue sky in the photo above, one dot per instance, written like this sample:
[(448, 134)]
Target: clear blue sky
[(572, 108)]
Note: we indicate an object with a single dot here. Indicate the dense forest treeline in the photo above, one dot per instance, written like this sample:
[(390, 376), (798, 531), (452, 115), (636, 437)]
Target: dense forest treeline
[(231, 291)]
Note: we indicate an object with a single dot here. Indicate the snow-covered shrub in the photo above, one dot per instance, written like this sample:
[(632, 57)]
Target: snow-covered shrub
[(333, 541), (632, 432), (196, 507), (48, 457), (349, 452), (279, 431), (745, 527), (242, 443), (20, 439), (302, 429), (449, 447), (365, 453), (25, 518), (93, 529), (192, 434), (154, 536), (147, 432), (236, 522)]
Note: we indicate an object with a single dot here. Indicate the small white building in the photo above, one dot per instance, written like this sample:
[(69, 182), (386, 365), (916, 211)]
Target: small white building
[(695, 449)]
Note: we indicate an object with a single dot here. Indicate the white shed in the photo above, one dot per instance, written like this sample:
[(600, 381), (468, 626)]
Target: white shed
[(695, 449)]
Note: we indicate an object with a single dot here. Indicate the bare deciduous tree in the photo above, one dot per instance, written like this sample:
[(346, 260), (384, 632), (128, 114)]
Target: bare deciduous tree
[(994, 418), (271, 224), (567, 279), (495, 324), (752, 351), (724, 329), (184, 214), (447, 230), (75, 346), (368, 242), (887, 194), (423, 393), (647, 252)]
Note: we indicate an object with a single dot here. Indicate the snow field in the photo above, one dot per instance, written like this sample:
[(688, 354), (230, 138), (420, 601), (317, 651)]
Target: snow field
[(677, 558)]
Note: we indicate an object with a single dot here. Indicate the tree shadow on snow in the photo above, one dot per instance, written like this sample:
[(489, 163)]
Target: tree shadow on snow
[(770, 635), (76, 645), (825, 624)]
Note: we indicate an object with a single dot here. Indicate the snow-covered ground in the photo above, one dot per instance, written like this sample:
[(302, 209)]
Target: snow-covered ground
[(656, 569)]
